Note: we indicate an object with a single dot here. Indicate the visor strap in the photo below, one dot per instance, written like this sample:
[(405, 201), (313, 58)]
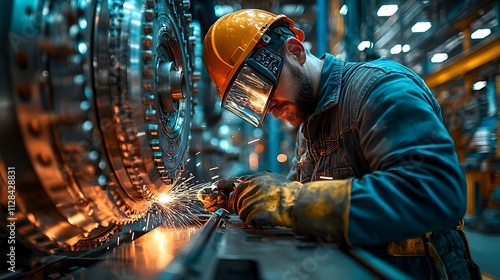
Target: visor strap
[(274, 38)]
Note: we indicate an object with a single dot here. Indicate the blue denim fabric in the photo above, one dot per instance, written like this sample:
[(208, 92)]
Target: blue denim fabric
[(378, 123)]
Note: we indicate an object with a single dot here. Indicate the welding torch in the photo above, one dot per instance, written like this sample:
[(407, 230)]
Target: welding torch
[(219, 194)]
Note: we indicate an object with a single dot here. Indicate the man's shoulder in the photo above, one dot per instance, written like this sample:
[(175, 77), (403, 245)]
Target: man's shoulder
[(385, 65)]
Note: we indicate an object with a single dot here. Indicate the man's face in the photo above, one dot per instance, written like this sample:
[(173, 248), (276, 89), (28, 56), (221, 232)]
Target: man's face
[(292, 101)]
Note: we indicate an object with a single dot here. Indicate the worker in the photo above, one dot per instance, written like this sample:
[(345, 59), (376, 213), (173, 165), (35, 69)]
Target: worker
[(374, 165)]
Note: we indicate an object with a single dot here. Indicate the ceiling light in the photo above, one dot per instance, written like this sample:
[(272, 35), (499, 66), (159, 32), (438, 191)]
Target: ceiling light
[(421, 26), (406, 48), (479, 85), (364, 45), (439, 57), (387, 10), (292, 9), (221, 10), (480, 33), (396, 49), (343, 10)]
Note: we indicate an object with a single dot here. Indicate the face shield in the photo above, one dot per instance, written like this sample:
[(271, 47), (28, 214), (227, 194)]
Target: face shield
[(249, 93)]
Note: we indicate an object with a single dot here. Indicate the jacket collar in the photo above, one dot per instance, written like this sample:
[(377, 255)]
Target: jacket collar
[(328, 90), (329, 85)]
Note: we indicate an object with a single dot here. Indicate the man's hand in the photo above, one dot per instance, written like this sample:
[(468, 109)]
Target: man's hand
[(265, 199), (217, 195)]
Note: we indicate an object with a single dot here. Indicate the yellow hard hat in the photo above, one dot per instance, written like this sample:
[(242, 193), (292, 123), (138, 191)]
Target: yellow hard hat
[(231, 39)]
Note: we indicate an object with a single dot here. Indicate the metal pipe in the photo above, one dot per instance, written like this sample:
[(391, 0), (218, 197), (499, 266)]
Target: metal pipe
[(184, 266)]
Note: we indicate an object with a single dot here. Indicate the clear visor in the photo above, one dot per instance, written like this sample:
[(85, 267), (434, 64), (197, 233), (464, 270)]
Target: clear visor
[(248, 96)]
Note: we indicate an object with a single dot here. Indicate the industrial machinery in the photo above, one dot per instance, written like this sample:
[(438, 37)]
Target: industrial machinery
[(95, 118)]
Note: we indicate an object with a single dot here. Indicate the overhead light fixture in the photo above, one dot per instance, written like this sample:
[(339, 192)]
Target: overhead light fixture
[(439, 57), (396, 49), (221, 10), (343, 10), (421, 26), (480, 33), (479, 85), (292, 9), (387, 10), (364, 45), (406, 48)]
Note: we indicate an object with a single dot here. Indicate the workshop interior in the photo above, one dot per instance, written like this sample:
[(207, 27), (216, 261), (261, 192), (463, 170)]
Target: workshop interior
[(110, 125)]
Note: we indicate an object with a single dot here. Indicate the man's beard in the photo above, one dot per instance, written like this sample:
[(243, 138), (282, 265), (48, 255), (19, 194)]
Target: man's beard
[(304, 100)]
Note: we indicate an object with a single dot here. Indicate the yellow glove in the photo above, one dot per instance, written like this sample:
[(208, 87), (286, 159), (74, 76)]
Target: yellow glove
[(322, 210), (217, 195), (315, 209), (265, 199)]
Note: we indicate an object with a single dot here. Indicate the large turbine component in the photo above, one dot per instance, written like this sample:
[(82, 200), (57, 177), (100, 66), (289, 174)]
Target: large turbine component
[(96, 111)]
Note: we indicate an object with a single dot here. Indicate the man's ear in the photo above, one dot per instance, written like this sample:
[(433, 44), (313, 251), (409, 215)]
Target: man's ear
[(294, 47)]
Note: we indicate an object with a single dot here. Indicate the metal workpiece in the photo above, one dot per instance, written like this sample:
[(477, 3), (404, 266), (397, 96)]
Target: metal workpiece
[(225, 248), (96, 107), (188, 264)]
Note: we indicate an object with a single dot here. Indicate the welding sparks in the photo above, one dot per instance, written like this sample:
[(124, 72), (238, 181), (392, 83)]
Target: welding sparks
[(180, 207), (213, 168), (326, 177), (215, 177), (253, 141), (189, 179)]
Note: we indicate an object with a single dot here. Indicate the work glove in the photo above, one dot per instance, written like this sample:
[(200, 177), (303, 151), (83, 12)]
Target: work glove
[(217, 195), (314, 209), (322, 210), (265, 199)]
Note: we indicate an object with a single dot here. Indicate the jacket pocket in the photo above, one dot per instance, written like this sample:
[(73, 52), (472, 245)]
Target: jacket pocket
[(337, 173)]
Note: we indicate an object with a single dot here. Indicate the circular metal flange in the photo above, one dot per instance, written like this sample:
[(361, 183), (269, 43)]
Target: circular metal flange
[(101, 98), (148, 140)]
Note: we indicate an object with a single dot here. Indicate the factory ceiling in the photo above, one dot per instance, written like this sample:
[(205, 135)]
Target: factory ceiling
[(357, 30)]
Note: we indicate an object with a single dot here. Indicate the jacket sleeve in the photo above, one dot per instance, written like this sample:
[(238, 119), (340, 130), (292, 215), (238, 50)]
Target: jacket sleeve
[(417, 184)]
